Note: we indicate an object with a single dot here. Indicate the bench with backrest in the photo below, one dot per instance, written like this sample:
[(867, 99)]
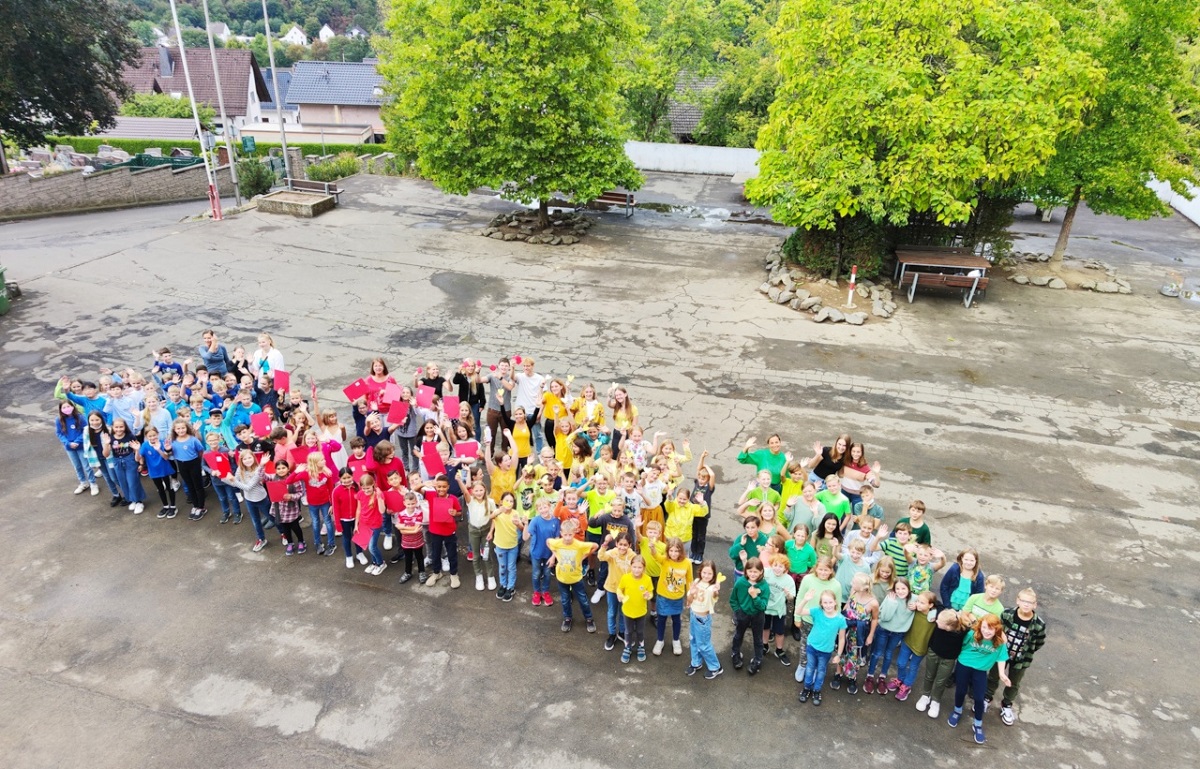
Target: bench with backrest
[(618, 198), (325, 188)]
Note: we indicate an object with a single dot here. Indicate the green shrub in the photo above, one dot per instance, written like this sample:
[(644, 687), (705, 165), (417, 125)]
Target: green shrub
[(864, 243), (89, 144), (345, 164), (254, 178)]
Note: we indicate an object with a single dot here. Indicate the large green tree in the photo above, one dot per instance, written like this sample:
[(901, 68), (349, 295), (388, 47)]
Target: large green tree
[(520, 97), (748, 73), (60, 66), (1140, 127), (888, 108)]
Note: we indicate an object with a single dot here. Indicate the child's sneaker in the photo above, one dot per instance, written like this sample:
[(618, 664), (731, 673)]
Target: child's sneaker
[(422, 578), (591, 626), (433, 578), (237, 518), (491, 583), (479, 582), (693, 670), (470, 555), (676, 647), (547, 599), (835, 682), (979, 733), (881, 686), (302, 549), (224, 517), (610, 643), (405, 577), (894, 684), (955, 716), (625, 654), (350, 563), (259, 544), (566, 625), (710, 675), (290, 550), (455, 581), (737, 662), (852, 686), (902, 692), (536, 600), (362, 558), (641, 652), (596, 596), (817, 699), (162, 513), (783, 658), (1007, 716), (804, 694), (658, 647), (869, 685), (935, 707), (922, 703)]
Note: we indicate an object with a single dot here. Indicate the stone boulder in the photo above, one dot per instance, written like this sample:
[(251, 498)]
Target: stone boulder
[(1040, 280), (856, 318), (1058, 283), (810, 303)]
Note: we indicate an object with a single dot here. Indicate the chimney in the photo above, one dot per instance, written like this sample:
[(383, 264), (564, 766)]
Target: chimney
[(165, 67)]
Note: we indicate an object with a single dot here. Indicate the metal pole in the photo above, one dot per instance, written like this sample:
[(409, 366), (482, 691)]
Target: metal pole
[(212, 51), (214, 197), (287, 165)]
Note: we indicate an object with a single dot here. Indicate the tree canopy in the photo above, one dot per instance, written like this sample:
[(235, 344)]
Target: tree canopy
[(884, 109), (1139, 128), (519, 97), (165, 105), (60, 66)]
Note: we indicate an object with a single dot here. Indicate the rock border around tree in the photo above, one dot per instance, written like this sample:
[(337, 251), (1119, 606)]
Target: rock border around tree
[(566, 228), (804, 292), (1070, 269)]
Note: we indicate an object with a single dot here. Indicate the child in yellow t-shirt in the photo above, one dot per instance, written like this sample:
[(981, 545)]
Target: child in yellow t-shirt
[(634, 591), (507, 525), (569, 557), (653, 549), (681, 511), (618, 557), (673, 581)]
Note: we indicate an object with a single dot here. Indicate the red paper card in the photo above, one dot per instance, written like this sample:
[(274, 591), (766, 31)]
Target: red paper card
[(269, 469), (393, 501), (362, 537), (392, 392), (355, 390), (450, 406), (299, 455), (276, 490), (283, 380), (467, 449), (261, 424), (439, 510), (425, 396), (218, 462), (397, 413), (432, 460)]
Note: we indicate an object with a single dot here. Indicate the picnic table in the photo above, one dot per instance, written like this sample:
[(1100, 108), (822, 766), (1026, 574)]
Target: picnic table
[(956, 268)]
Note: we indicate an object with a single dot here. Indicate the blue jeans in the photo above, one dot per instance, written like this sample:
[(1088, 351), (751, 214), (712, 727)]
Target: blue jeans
[(476, 412), (814, 668), (373, 547), (348, 547), (83, 471), (389, 525), (258, 511), (126, 471), (227, 496), (976, 680), (700, 641), (577, 590), (105, 471), (541, 576), (616, 620), (907, 665), (321, 517), (506, 558), (886, 644)]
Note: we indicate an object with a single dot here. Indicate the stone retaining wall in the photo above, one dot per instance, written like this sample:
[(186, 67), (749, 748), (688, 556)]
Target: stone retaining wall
[(23, 196)]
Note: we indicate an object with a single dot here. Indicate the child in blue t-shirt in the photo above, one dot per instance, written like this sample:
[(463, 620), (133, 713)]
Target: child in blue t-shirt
[(155, 456), (827, 634), (542, 528)]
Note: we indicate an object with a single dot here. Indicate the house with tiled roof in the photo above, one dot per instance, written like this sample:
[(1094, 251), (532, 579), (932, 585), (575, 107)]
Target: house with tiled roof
[(683, 111), (160, 70), (338, 93), (291, 112)]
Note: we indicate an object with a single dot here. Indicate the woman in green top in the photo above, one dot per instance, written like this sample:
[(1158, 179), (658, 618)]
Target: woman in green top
[(771, 458), (983, 649)]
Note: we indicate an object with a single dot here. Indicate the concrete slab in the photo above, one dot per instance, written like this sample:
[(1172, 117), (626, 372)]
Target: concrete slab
[(1056, 431)]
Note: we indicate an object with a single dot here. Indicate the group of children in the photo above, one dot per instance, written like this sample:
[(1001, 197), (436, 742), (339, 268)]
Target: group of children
[(525, 467)]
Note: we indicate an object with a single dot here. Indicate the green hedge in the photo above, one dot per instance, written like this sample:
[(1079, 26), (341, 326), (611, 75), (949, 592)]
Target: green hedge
[(89, 144)]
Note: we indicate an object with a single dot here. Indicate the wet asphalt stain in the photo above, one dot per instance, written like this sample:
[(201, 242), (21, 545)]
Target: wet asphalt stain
[(420, 338), (465, 290)]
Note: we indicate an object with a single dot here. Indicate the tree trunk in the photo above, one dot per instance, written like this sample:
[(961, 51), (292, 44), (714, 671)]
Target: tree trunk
[(543, 213), (837, 267), (3, 158), (1064, 234)]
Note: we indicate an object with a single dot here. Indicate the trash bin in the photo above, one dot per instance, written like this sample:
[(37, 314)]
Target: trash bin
[(5, 305)]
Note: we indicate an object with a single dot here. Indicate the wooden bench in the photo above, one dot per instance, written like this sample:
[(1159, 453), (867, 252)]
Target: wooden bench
[(971, 285), (618, 198), (305, 185), (941, 268)]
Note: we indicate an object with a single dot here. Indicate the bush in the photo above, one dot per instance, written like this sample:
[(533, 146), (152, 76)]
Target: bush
[(254, 177), (864, 243), (89, 144), (345, 164)]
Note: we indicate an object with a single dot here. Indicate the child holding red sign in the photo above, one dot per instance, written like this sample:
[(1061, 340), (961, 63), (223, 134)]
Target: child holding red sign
[(287, 507), (444, 512)]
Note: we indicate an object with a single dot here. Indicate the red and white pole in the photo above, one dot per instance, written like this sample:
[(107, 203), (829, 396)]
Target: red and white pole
[(853, 280)]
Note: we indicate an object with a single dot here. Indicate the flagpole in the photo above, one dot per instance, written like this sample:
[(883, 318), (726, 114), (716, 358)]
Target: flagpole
[(226, 128), (214, 197)]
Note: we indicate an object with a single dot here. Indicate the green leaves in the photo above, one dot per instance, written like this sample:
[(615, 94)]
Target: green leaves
[(885, 109), (520, 97)]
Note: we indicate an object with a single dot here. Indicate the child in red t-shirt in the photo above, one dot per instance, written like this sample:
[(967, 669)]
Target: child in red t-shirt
[(444, 514)]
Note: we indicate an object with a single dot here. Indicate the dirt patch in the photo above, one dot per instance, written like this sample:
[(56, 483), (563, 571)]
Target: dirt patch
[(1075, 273)]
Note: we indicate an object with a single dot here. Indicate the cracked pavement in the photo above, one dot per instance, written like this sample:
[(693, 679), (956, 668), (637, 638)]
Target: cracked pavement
[(1058, 432)]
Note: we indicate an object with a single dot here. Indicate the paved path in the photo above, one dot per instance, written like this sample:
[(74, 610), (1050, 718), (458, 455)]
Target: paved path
[(1057, 431)]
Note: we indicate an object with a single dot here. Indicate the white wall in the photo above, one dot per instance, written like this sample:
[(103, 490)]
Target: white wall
[(1189, 208), (692, 158)]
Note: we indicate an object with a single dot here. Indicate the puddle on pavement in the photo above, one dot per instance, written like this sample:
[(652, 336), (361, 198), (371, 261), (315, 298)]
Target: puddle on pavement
[(983, 476)]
